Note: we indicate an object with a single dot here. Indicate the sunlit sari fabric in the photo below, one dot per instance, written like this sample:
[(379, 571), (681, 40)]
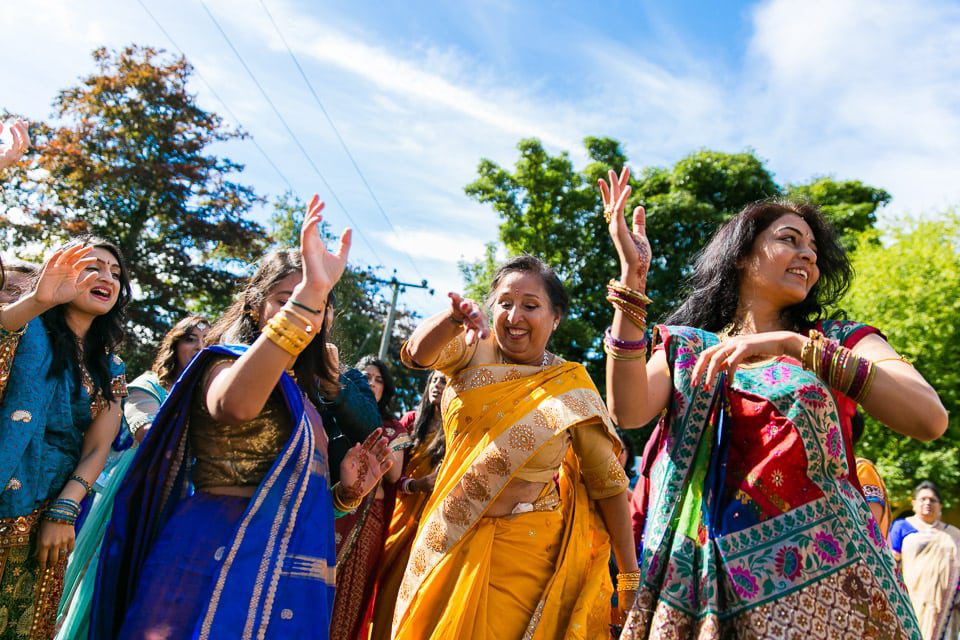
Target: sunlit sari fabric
[(273, 578), (407, 512), (755, 528), (538, 574)]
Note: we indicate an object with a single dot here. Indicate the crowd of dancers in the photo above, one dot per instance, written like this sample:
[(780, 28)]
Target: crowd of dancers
[(252, 485)]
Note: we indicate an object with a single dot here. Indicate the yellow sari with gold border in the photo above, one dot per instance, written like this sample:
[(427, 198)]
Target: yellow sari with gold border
[(539, 574)]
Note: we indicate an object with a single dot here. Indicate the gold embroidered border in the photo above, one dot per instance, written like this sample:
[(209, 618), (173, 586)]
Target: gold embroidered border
[(268, 483), (301, 471)]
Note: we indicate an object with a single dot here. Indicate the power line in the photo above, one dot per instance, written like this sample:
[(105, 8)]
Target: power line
[(293, 136), (222, 102), (336, 131)]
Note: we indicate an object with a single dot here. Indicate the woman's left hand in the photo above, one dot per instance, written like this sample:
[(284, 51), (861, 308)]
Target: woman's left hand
[(731, 353), (54, 543), (624, 604), (364, 465)]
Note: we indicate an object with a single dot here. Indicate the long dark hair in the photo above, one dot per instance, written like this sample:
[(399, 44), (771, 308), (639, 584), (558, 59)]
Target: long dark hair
[(314, 369), (421, 424), (165, 365), (389, 388), (104, 336), (715, 284)]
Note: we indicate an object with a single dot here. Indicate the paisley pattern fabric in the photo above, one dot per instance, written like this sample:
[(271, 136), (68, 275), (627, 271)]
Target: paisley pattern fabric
[(754, 527)]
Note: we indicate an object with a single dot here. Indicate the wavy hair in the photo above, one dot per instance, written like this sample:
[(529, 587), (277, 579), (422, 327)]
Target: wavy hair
[(165, 365), (421, 424), (314, 368), (104, 336), (714, 286)]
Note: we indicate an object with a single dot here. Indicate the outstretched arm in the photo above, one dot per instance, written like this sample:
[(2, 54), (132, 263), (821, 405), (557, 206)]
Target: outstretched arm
[(433, 334)]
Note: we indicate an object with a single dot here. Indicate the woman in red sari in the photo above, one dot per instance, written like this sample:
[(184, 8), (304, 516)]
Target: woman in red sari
[(361, 535)]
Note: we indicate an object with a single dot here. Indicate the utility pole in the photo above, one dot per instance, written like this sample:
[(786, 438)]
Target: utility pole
[(397, 287)]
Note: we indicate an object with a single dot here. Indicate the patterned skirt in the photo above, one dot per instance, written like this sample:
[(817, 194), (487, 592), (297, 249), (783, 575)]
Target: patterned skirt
[(28, 601)]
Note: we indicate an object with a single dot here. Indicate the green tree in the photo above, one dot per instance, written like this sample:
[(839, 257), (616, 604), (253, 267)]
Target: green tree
[(908, 285), (128, 158), (552, 210), (361, 310)]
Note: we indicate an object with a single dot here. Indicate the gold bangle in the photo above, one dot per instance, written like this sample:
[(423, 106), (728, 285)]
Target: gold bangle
[(281, 341), (340, 505), (281, 324), (868, 384), (308, 324), (616, 285), (902, 359)]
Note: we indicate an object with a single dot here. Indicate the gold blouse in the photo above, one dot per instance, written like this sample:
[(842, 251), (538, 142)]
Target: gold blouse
[(235, 455)]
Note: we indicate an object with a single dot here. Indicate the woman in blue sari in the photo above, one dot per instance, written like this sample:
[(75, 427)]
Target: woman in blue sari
[(146, 393), (61, 386), (755, 527), (224, 526)]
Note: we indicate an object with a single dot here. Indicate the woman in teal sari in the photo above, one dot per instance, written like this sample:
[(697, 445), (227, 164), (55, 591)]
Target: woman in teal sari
[(61, 388), (238, 454), (755, 527), (146, 393)]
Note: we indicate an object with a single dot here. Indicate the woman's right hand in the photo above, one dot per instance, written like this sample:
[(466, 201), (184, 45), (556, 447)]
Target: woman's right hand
[(20, 142), (471, 315), (62, 278), (632, 244), (321, 269), (426, 483)]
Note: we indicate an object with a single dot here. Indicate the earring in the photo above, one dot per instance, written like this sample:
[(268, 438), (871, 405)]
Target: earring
[(254, 315)]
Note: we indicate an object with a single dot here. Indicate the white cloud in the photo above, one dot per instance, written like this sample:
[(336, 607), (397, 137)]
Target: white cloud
[(866, 89)]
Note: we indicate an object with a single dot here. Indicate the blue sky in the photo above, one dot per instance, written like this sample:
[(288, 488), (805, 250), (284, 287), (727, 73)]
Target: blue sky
[(421, 91)]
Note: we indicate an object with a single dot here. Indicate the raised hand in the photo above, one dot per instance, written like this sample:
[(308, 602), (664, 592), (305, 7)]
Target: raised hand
[(321, 269), (471, 315), (19, 144), (632, 245), (364, 465), (62, 278)]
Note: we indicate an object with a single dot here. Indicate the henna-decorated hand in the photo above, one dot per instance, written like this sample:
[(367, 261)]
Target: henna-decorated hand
[(471, 315), (363, 466), (632, 244), (731, 353)]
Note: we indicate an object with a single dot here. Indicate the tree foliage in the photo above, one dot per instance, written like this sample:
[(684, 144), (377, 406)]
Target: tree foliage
[(908, 285), (550, 209), (128, 157)]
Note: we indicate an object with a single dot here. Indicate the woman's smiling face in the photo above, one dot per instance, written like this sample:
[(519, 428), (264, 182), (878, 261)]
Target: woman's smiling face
[(523, 317)]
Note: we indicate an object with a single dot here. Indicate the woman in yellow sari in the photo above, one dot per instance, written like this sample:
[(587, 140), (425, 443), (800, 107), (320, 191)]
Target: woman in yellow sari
[(419, 469), (514, 539)]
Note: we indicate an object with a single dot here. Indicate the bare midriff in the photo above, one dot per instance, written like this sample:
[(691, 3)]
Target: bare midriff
[(516, 492)]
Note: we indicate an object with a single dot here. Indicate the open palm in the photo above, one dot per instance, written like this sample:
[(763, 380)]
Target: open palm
[(62, 278), (321, 269), (364, 465), (631, 243)]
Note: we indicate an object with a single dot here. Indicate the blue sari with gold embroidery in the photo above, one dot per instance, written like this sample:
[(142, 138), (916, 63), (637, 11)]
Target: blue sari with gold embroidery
[(270, 570)]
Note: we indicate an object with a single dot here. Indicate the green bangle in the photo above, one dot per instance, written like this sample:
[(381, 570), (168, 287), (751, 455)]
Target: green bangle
[(305, 307)]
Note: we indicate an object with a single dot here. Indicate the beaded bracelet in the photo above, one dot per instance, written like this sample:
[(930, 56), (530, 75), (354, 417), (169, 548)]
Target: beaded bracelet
[(86, 485)]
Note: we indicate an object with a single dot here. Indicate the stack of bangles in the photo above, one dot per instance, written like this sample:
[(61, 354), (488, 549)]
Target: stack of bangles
[(842, 369), (630, 302), (628, 581), (624, 349), (291, 330), (62, 511), (342, 505)]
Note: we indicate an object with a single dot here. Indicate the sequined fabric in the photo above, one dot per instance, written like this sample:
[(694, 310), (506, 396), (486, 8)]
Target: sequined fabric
[(28, 603), (236, 455)]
